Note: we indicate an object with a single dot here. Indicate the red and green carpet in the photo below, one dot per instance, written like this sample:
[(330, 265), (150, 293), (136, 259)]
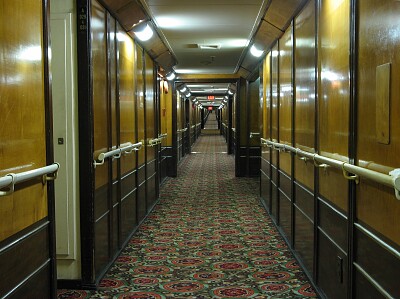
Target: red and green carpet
[(208, 237)]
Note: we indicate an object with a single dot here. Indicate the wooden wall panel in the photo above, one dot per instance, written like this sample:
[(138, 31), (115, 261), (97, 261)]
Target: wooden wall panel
[(334, 95), (151, 131), (100, 92), (22, 104), (378, 44), (275, 100), (127, 97), (253, 113), (286, 98), (140, 114), (113, 92), (305, 87)]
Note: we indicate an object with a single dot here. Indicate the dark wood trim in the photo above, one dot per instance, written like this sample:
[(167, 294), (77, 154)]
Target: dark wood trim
[(109, 136), (292, 156), (352, 144), (247, 138), (146, 149), (23, 256), (316, 137), (49, 144), (238, 171), (172, 171), (118, 129), (85, 118)]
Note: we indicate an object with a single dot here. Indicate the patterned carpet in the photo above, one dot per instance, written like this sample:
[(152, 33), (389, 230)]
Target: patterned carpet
[(207, 238)]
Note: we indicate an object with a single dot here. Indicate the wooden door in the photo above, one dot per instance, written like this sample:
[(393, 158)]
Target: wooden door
[(27, 211)]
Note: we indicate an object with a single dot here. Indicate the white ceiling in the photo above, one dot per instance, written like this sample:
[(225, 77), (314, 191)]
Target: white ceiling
[(227, 25)]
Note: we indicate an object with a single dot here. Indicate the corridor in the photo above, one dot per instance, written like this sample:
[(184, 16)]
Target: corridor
[(208, 237)]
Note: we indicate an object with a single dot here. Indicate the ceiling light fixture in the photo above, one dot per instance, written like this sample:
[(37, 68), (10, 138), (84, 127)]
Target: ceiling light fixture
[(143, 32), (171, 76), (183, 88), (255, 52)]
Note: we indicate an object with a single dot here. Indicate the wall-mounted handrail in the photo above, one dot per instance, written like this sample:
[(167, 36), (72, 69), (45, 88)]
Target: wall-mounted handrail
[(116, 153), (12, 179), (181, 130), (153, 142), (253, 134), (162, 135), (350, 171), (127, 149)]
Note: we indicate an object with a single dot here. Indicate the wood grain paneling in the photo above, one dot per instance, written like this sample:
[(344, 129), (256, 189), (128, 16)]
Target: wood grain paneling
[(379, 44), (334, 224), (334, 93), (28, 252), (286, 97), (304, 239), (22, 104), (253, 113), (113, 92), (151, 131), (275, 100), (379, 261), (100, 91), (305, 87), (127, 97), (285, 215), (332, 268), (140, 102), (128, 214)]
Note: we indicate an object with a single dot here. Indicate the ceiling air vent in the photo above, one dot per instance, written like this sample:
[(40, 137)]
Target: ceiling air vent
[(208, 47)]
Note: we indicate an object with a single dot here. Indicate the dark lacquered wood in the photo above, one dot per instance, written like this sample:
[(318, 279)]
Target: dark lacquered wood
[(128, 214), (334, 95), (332, 268), (285, 184), (304, 239), (27, 252), (363, 288), (285, 214), (305, 86), (304, 200), (333, 223), (101, 239), (378, 262), (378, 45)]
